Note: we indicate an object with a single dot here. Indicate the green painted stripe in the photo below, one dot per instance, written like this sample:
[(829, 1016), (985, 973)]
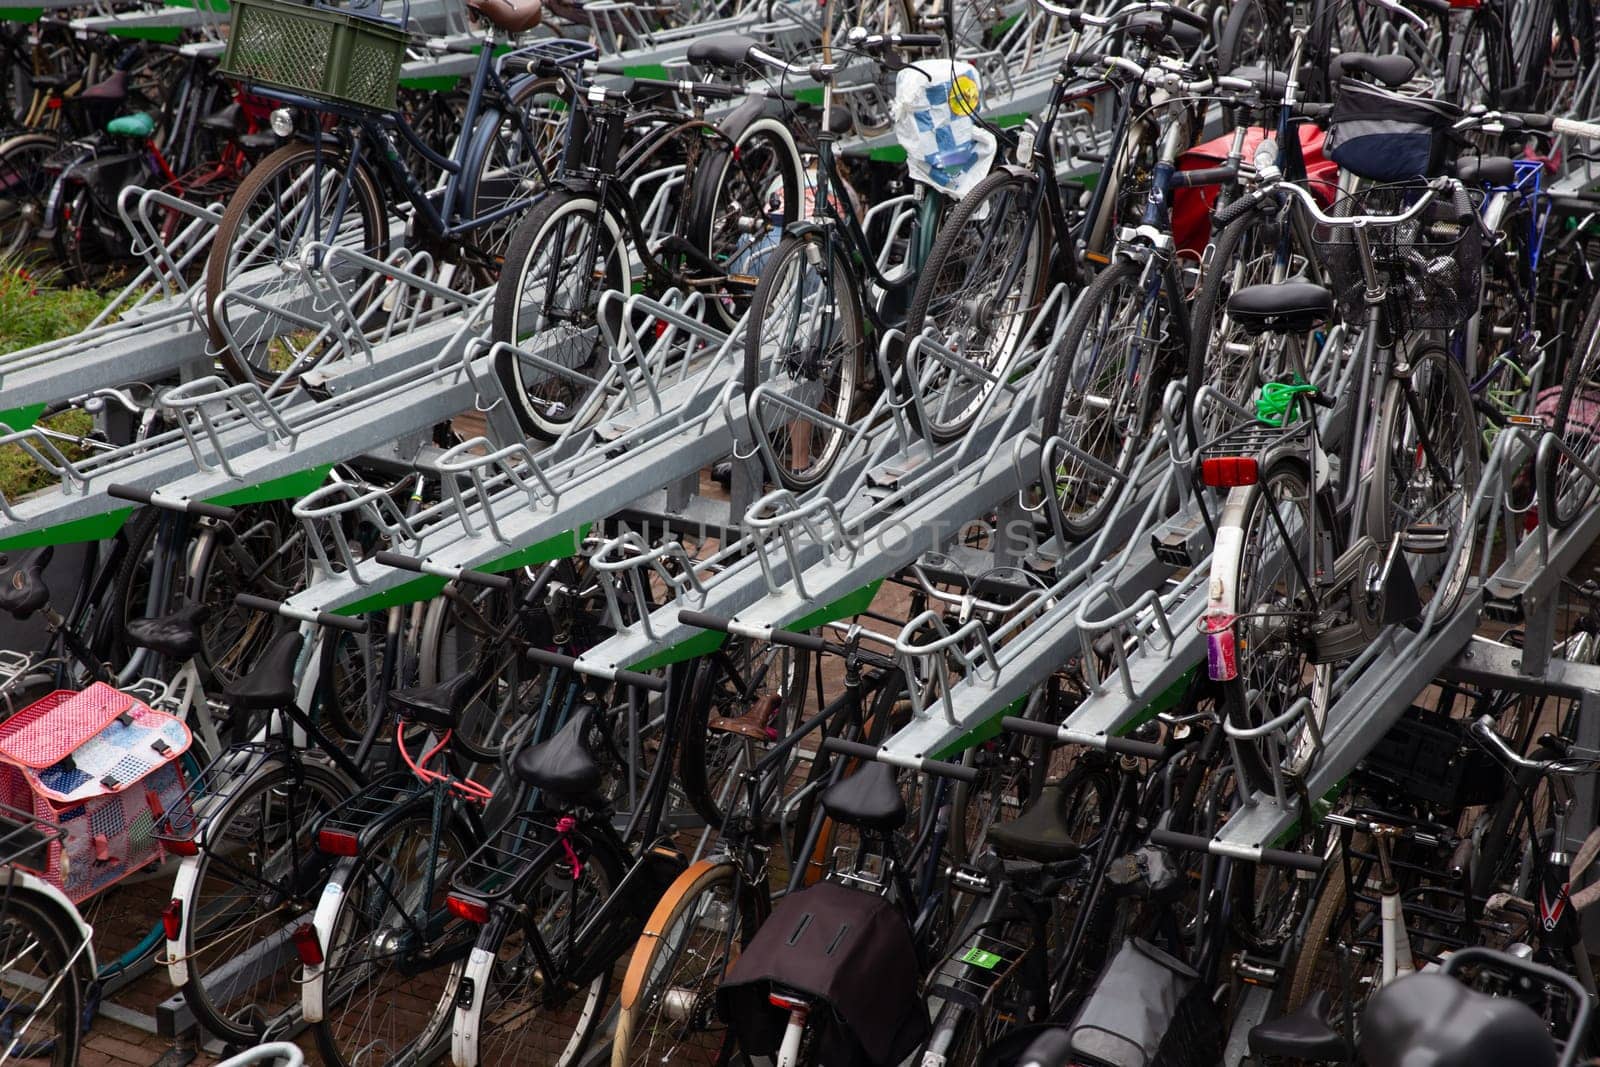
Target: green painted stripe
[(811, 96), (888, 153), (21, 14), (21, 418), (432, 83), (654, 71), (1319, 808), (701, 644), (985, 730), (290, 485), (159, 34), (428, 586), (1165, 702), (93, 528), (849, 604), (1005, 122)]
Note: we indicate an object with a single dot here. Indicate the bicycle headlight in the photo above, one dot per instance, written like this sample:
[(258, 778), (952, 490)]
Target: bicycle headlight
[(283, 121)]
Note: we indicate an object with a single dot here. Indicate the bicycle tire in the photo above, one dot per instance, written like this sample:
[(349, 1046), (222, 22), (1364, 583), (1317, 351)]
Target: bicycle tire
[(547, 405), (478, 1040), (1238, 47), (25, 184), (45, 936), (1444, 400), (454, 642), (501, 170), (793, 301), (238, 1019), (356, 1023), (129, 596), (1085, 385), (728, 191), (1018, 767), (277, 179), (1564, 491), (707, 766), (650, 991), (952, 295), (1325, 930), (223, 566)]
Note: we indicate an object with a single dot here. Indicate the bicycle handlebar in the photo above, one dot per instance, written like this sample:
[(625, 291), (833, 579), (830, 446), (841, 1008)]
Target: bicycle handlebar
[(753, 631), (1255, 196), (1532, 120), (441, 570), (282, 610), (1483, 729), (1275, 857), (170, 503), (911, 763), (1122, 746), (654, 683)]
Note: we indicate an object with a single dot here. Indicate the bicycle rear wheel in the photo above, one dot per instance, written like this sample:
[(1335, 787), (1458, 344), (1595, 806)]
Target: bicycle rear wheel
[(24, 185), (384, 1003), (805, 332), (287, 201)]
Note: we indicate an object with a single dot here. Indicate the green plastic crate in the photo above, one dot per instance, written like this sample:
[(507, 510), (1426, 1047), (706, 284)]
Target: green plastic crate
[(331, 55)]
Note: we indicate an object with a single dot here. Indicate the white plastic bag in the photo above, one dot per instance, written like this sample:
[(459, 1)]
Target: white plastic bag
[(933, 105)]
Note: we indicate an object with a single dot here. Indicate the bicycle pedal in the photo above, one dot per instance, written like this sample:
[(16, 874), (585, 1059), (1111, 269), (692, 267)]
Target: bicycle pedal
[(1425, 539)]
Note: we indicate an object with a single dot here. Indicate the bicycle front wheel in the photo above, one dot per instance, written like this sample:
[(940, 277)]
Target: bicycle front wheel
[(805, 336), (1426, 471), (40, 981), (385, 1002), (562, 256), (275, 317)]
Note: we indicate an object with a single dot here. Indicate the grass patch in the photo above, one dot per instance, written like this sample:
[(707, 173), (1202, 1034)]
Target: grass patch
[(33, 310)]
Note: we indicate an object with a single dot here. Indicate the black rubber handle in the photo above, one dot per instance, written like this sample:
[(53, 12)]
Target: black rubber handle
[(857, 750), (409, 563), (323, 618), (610, 66), (1084, 59), (1235, 210), (654, 683), (916, 40), (187, 506), (1125, 746), (1189, 18), (1030, 726), (809, 642), (1206, 176), (1273, 856)]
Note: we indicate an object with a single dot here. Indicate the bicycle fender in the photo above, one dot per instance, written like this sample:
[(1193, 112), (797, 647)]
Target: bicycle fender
[(475, 977), (183, 887), (322, 922), (735, 122), (66, 911), (804, 228)]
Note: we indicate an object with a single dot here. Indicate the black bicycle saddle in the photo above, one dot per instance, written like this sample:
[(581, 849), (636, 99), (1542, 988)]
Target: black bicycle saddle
[(1039, 834), (562, 766), (1432, 1020), (439, 706), (22, 587), (869, 798), (175, 636)]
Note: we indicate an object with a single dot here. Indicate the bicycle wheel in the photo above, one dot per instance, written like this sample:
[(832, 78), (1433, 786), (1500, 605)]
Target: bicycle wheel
[(1016, 766), (805, 333), (263, 552), (668, 997), (746, 696), (287, 201), (1565, 492), (386, 999), (1251, 36), (1426, 470), (562, 256), (24, 185), (42, 984), (1114, 348), (506, 166), (1221, 355), (507, 1023), (980, 289), (256, 877), (1478, 71), (742, 199), (1317, 966), (1277, 557), (465, 632)]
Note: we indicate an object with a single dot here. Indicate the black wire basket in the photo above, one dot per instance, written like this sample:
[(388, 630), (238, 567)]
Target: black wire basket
[(1431, 265)]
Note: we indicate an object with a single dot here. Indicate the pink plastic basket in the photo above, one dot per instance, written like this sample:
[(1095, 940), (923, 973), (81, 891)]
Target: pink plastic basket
[(100, 766)]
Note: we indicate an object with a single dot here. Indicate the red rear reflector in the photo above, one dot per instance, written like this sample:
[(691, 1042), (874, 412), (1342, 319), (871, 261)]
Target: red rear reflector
[(336, 842), (172, 919), (181, 847), (1225, 472), (787, 1003), (469, 910), (307, 946), (1465, 5)]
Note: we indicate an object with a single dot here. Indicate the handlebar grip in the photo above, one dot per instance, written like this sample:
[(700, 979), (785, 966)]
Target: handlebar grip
[(916, 40), (321, 618), (1127, 746), (1030, 726), (1084, 59), (651, 682), (857, 750), (1236, 209), (460, 574), (1189, 18), (55, 408), (610, 66), (704, 620), (1589, 131), (1206, 176), (183, 504), (1274, 856)]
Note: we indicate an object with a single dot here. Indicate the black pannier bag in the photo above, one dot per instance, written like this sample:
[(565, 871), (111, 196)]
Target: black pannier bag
[(1387, 136), (1148, 1010), (852, 953)]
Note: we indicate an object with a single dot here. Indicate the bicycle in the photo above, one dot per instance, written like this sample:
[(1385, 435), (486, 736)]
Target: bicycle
[(741, 180), (330, 189)]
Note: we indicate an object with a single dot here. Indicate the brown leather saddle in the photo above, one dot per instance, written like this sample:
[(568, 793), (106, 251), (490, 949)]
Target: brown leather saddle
[(512, 16)]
